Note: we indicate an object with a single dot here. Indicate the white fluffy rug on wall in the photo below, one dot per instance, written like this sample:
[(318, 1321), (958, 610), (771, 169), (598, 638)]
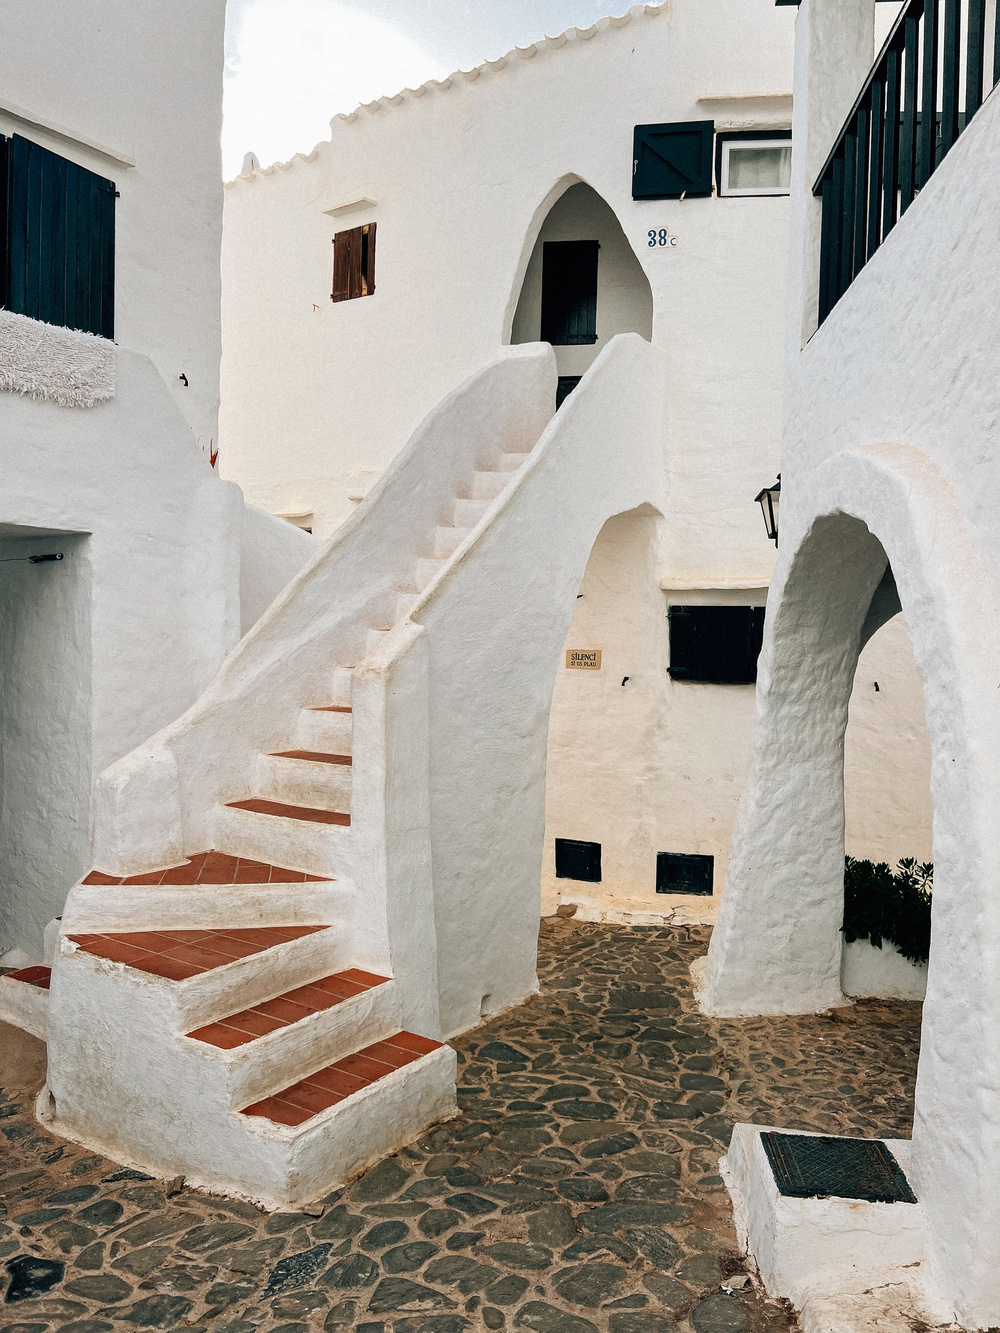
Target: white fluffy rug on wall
[(64, 366)]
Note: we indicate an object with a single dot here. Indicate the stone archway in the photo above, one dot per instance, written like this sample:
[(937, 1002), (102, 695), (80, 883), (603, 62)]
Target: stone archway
[(776, 948)]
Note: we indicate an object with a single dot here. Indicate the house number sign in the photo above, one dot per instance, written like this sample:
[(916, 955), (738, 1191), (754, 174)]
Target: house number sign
[(658, 238)]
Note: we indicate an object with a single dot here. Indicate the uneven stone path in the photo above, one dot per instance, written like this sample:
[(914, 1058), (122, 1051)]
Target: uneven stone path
[(577, 1191)]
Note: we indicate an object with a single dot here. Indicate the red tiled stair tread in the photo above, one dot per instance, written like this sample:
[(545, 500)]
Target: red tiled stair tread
[(314, 757), (303, 812), (180, 954), (213, 868), (34, 976), (283, 1011), (317, 1092), (330, 708)]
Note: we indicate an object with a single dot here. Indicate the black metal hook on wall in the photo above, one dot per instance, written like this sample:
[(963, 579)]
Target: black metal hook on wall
[(32, 559)]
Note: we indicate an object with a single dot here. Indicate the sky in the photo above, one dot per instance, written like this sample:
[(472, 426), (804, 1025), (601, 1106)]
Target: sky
[(293, 64)]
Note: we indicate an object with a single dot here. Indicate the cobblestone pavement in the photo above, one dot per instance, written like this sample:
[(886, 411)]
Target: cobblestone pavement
[(577, 1191)]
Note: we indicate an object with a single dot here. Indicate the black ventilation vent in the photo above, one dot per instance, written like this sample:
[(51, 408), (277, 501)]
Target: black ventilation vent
[(578, 860), (672, 160), (677, 872)]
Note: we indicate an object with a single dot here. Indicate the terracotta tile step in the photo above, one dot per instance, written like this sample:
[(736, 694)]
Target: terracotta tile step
[(180, 954), (34, 976), (308, 815), (284, 1010), (315, 1093), (330, 708), (213, 868), (314, 756)]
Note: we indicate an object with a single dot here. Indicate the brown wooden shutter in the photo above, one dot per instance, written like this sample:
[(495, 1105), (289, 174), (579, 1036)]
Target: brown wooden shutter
[(354, 263), (343, 245)]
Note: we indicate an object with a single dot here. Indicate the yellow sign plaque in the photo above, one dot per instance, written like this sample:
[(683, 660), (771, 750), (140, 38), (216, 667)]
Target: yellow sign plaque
[(583, 659)]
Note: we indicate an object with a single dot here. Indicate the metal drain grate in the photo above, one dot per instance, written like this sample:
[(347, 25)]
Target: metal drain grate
[(814, 1167)]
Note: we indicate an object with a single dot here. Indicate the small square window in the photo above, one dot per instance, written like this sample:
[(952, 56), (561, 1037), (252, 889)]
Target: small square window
[(753, 166), (578, 860)]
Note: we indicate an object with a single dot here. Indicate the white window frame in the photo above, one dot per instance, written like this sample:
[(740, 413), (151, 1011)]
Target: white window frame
[(726, 192)]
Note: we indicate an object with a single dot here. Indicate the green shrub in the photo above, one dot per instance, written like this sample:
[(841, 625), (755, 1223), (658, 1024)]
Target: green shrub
[(882, 904)]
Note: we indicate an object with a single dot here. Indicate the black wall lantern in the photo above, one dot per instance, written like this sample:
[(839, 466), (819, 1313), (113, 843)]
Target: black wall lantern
[(768, 501)]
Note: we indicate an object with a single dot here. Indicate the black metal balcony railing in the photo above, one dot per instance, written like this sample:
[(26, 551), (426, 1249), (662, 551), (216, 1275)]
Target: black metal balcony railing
[(924, 88)]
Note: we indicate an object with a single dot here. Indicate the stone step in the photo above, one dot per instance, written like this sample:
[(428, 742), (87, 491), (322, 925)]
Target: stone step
[(309, 1097), (513, 462), (340, 685), (209, 973), (469, 512), (263, 1047), (448, 540), (316, 841), (211, 889), (405, 602), (24, 999), (373, 638), (425, 570), (329, 729), (306, 778), (488, 485)]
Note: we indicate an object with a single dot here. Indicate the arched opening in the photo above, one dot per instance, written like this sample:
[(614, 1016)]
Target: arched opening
[(582, 286), (776, 948), (610, 684), (888, 819), (643, 767)]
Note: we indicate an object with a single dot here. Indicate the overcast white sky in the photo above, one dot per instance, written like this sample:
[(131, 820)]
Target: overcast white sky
[(292, 64)]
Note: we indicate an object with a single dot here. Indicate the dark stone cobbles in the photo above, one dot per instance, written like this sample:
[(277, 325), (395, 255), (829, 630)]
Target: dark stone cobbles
[(578, 1190)]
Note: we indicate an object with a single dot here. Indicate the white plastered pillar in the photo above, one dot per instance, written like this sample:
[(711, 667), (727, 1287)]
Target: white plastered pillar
[(776, 948), (834, 50)]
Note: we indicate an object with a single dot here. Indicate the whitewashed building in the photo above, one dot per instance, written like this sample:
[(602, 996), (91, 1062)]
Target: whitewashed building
[(112, 205), (890, 489), (452, 202), (350, 819)]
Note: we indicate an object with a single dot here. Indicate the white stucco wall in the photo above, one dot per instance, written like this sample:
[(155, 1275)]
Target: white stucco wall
[(140, 81), (99, 650), (651, 765)]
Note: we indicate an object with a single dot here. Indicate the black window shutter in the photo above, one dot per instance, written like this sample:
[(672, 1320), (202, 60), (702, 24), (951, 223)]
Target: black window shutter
[(60, 240), (4, 219), (715, 644), (569, 293), (671, 160)]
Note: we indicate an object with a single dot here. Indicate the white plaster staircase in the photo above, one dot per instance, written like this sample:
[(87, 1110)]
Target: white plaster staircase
[(271, 1049), (291, 1063), (190, 1025), (299, 813)]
